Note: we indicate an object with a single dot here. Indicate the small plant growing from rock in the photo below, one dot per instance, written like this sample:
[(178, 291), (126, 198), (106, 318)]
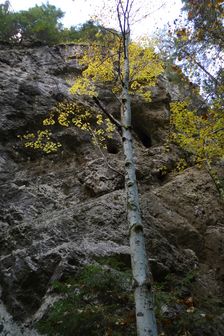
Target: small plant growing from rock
[(98, 301)]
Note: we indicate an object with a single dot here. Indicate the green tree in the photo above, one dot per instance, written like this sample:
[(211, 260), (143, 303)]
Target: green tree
[(87, 32), (40, 23), (8, 27)]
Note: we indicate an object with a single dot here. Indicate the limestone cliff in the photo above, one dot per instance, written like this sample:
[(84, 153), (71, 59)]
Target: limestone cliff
[(61, 211)]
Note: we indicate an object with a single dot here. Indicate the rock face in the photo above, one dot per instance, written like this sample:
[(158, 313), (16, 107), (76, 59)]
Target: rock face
[(59, 212)]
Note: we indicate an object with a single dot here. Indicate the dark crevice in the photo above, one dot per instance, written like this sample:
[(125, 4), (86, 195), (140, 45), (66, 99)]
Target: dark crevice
[(113, 146), (144, 138)]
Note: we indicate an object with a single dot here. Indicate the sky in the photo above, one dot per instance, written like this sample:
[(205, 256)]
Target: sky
[(79, 11)]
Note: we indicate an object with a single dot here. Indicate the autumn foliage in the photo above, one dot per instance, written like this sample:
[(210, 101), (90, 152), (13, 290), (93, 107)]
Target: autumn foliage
[(200, 134), (102, 66)]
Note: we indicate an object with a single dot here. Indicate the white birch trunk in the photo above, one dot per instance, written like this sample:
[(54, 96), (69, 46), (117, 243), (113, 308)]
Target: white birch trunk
[(145, 318)]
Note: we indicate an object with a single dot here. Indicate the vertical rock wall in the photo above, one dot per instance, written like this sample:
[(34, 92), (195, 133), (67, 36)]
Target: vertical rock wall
[(61, 211)]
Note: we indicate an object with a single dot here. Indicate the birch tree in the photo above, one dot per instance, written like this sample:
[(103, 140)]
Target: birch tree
[(128, 82), (127, 68), (145, 319)]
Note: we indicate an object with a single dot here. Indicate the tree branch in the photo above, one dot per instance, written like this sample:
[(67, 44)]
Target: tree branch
[(110, 117)]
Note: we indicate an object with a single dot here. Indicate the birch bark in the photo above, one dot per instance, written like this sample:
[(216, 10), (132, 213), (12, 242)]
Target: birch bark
[(145, 318)]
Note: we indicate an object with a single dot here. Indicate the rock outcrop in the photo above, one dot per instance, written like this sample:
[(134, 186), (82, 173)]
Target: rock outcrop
[(59, 212)]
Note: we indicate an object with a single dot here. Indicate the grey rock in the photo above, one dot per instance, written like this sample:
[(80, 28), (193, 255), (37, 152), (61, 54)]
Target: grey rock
[(60, 212)]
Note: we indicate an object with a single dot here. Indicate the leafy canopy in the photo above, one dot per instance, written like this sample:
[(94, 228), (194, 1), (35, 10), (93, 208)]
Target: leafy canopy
[(87, 32), (8, 27), (197, 44), (202, 135), (104, 64), (42, 23), (39, 23)]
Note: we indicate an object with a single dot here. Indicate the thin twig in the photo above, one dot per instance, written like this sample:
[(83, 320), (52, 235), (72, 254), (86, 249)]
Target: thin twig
[(148, 14)]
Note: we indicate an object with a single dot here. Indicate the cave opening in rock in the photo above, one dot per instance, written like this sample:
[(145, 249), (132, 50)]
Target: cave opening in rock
[(144, 138), (112, 146)]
